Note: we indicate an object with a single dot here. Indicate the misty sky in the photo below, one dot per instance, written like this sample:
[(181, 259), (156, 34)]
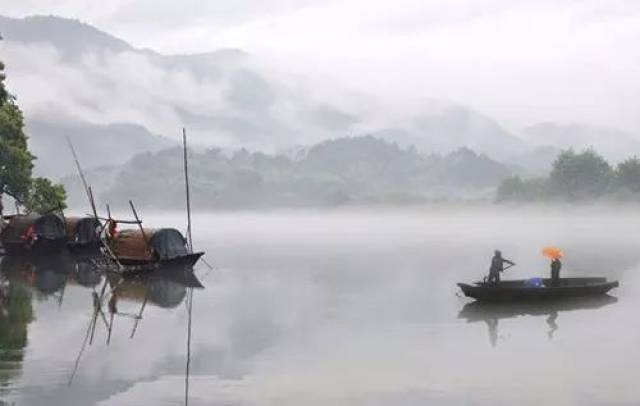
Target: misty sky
[(519, 61)]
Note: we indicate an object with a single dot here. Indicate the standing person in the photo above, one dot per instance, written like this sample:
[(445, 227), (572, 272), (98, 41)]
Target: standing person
[(556, 265), (497, 266)]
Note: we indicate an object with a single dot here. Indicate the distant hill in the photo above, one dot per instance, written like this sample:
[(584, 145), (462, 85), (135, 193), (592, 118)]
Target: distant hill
[(222, 97), (452, 127), (613, 144), (343, 171), (72, 37), (226, 98), (96, 145)]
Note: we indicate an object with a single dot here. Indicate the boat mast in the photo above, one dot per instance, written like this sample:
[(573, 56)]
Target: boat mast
[(186, 184), (81, 173)]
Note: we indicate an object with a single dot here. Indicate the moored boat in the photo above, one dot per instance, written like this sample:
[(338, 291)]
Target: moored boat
[(146, 249), (83, 234), (33, 235), (522, 290)]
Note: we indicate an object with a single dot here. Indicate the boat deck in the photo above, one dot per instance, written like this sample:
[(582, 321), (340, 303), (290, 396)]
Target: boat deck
[(515, 290)]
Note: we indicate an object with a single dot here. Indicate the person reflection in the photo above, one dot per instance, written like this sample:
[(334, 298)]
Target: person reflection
[(492, 324), (551, 321), (492, 313)]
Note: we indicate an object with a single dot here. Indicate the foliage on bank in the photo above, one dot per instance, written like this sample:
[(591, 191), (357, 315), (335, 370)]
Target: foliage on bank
[(34, 194), (575, 177), (343, 171)]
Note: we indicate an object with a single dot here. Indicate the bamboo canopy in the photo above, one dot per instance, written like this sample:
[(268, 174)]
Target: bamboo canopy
[(148, 244)]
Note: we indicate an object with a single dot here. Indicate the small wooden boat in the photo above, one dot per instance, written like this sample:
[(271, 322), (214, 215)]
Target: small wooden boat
[(83, 235), (148, 249), (33, 235), (522, 290)]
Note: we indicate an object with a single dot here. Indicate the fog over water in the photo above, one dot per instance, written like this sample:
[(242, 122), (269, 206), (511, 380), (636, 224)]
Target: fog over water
[(353, 306), (349, 163)]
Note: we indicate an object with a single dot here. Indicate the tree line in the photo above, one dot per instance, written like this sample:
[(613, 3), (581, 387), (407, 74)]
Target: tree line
[(341, 171), (577, 176)]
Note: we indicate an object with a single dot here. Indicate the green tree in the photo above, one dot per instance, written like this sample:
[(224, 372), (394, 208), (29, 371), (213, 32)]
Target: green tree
[(16, 162), (580, 176), (45, 196), (628, 175)]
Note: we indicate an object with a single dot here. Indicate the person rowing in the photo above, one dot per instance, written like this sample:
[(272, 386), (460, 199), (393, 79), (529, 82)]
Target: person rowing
[(497, 266)]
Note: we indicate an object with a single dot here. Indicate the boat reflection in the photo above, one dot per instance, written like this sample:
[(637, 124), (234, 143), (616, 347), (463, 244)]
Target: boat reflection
[(165, 289), (47, 275), (111, 297), (492, 313)]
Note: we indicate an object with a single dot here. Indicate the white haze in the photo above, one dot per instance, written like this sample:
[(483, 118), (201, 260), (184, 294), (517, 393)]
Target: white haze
[(108, 87), (521, 62)]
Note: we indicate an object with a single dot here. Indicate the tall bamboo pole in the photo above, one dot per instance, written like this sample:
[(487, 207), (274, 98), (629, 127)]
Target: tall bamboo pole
[(186, 184)]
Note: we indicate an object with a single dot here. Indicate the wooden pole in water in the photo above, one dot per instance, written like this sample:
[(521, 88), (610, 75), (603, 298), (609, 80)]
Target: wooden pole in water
[(188, 366), (84, 180), (104, 243), (110, 327), (92, 202), (186, 184), (96, 309), (139, 316)]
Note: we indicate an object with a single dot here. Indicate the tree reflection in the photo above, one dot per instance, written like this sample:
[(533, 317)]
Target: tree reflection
[(16, 312)]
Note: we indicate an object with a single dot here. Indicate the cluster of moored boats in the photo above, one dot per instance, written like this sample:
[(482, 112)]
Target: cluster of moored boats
[(128, 250)]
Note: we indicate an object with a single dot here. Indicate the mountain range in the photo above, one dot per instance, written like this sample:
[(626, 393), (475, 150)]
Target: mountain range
[(116, 101)]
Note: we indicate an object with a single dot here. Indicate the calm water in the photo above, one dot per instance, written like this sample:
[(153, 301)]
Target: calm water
[(349, 307)]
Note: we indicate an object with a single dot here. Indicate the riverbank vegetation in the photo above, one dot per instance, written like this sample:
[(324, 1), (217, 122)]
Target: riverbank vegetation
[(34, 194), (577, 177)]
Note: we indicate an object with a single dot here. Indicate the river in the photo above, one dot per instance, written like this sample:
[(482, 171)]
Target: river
[(335, 307)]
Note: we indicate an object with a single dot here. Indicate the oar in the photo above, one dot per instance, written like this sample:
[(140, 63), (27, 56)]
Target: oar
[(484, 279)]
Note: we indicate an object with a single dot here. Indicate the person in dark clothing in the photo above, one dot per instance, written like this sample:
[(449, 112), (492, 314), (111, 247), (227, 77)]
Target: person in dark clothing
[(556, 265), (497, 266)]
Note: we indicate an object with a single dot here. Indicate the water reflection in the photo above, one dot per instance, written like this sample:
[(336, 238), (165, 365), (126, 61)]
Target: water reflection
[(16, 312), (111, 297), (492, 313)]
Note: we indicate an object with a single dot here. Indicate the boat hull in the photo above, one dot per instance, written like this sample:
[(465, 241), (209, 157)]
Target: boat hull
[(518, 291), (43, 246), (180, 262), (90, 248)]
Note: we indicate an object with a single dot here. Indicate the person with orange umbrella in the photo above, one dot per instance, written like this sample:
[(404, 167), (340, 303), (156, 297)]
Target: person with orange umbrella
[(554, 254)]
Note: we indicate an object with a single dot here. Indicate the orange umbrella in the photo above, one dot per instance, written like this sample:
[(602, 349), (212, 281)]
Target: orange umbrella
[(552, 252)]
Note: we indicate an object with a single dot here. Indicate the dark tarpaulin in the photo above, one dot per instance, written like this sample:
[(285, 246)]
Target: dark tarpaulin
[(87, 230), (168, 243), (49, 226)]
